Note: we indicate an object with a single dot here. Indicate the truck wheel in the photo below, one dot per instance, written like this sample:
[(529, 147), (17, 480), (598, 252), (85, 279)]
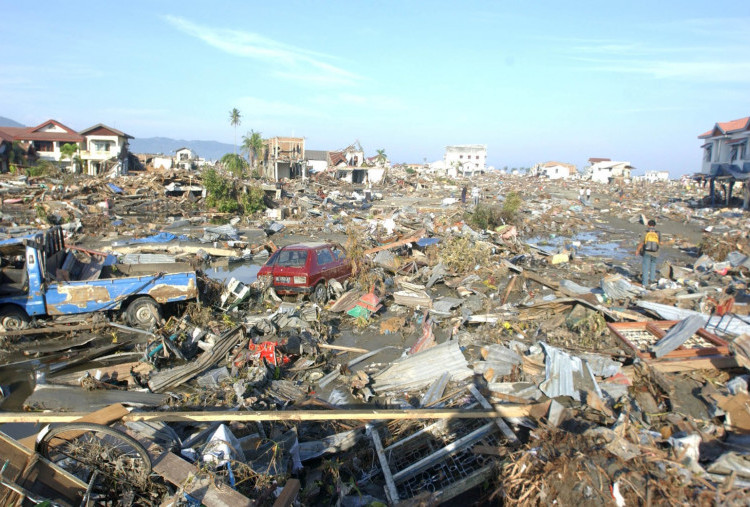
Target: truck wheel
[(320, 294), (13, 318), (143, 313)]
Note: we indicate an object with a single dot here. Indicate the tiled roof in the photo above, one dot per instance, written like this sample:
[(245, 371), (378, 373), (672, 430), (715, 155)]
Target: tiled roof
[(337, 157), (36, 134), (727, 126), (594, 160), (103, 130)]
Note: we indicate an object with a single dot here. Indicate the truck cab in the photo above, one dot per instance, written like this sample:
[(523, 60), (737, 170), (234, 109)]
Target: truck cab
[(40, 277)]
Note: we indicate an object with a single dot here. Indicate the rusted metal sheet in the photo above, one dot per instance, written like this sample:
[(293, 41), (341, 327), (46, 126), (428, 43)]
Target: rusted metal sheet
[(164, 293), (109, 294)]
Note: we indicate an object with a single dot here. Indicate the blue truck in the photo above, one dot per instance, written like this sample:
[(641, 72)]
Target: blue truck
[(40, 277)]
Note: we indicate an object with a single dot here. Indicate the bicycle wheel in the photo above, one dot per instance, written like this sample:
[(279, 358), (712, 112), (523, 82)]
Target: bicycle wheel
[(82, 448)]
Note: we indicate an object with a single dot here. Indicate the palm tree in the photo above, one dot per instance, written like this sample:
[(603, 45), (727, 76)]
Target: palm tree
[(381, 157), (234, 120), (252, 144)]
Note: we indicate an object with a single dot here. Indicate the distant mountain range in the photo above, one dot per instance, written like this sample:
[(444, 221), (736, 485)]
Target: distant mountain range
[(7, 122), (210, 150)]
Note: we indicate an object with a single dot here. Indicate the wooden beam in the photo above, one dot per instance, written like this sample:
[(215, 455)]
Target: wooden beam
[(288, 494), (187, 476), (414, 237), (341, 347), (364, 414), (106, 416)]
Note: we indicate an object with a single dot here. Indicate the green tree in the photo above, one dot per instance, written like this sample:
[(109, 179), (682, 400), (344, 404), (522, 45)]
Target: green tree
[(235, 120), (69, 150), (252, 144), (233, 163)]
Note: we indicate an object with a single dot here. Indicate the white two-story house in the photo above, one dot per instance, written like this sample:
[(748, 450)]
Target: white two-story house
[(466, 159), (725, 146), (104, 149)]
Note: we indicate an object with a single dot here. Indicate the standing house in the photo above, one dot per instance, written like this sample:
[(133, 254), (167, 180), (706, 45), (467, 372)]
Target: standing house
[(105, 148), (284, 157), (554, 170), (186, 158), (466, 158), (607, 171), (726, 157), (45, 140)]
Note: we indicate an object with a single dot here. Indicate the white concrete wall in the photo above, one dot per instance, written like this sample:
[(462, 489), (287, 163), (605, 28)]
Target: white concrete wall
[(316, 166), (162, 162), (472, 156)]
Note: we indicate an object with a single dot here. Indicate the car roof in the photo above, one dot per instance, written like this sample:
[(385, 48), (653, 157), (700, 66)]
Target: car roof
[(310, 245)]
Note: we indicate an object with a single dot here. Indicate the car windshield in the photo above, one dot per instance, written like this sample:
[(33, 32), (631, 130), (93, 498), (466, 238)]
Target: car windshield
[(292, 258)]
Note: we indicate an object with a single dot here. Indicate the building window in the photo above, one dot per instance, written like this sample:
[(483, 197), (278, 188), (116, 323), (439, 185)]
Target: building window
[(101, 145), (707, 154), (43, 146), (460, 156), (733, 153)]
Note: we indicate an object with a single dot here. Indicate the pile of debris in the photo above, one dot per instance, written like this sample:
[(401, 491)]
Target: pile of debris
[(518, 362)]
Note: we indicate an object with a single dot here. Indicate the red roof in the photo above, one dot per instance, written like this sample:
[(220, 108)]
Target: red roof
[(102, 130), (594, 160), (37, 134), (726, 127), (337, 157)]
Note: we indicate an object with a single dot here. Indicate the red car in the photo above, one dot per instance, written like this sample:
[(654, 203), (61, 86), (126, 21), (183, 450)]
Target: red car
[(306, 268)]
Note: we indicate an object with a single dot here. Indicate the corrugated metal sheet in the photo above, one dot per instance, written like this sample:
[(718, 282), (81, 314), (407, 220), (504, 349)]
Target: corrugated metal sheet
[(421, 369), (136, 258), (567, 375)]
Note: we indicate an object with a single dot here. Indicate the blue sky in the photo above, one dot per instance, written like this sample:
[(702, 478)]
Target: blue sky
[(534, 81)]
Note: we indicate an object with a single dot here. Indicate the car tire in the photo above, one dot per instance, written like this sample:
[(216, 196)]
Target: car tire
[(143, 313), (320, 294), (13, 318)]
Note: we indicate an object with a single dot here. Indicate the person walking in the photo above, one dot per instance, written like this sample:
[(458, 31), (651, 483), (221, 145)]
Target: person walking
[(463, 195), (588, 195), (649, 250), (475, 195)]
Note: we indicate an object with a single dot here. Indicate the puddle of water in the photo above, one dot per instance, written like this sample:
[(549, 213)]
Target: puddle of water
[(245, 272), (592, 245)]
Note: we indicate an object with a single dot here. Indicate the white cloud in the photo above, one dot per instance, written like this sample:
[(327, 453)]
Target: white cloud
[(287, 61)]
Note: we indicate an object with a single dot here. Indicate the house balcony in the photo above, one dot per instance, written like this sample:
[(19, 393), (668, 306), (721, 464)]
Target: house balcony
[(98, 155)]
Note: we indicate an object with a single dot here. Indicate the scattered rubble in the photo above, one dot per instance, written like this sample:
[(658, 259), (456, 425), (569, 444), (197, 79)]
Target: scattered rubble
[(498, 353)]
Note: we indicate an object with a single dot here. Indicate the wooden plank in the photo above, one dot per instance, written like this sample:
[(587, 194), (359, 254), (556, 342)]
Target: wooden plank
[(61, 328), (528, 410), (44, 478), (185, 475), (721, 363), (341, 347), (288, 494), (414, 237), (106, 416)]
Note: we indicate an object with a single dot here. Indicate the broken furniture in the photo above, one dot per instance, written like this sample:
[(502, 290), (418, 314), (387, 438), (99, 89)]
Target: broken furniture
[(641, 337)]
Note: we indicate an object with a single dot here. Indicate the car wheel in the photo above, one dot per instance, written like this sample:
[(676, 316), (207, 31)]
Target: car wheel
[(320, 293), (13, 318), (143, 313)]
